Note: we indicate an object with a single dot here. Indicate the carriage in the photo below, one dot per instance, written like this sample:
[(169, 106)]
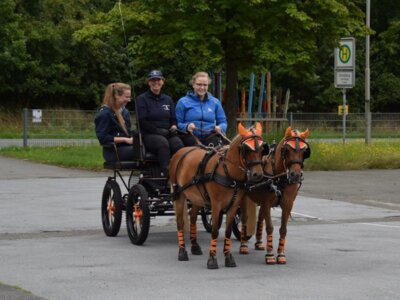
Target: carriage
[(146, 195)]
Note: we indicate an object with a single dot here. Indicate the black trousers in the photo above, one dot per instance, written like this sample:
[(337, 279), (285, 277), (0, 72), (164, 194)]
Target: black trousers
[(163, 147), (212, 140), (124, 153)]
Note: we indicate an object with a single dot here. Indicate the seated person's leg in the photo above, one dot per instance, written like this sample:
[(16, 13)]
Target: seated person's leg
[(158, 145), (188, 140), (175, 143), (213, 141), (125, 153)]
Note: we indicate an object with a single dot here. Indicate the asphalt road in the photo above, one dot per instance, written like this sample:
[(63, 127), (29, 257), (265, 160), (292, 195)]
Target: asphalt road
[(342, 243)]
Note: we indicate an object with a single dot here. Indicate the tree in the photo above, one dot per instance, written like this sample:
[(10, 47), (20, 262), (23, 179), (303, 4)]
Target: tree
[(13, 52), (386, 70), (282, 36)]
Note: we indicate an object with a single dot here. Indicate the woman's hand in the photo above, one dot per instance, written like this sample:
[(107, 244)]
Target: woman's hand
[(173, 130), (121, 139), (191, 127), (218, 129), (129, 140)]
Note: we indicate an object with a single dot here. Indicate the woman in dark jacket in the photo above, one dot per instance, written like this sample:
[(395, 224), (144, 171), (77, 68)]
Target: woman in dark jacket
[(113, 124), (157, 121)]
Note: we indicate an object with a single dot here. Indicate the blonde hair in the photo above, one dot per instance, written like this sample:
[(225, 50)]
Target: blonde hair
[(113, 89), (199, 74)]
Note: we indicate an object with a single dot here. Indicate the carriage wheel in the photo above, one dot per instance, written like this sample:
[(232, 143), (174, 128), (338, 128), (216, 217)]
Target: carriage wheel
[(207, 220), (137, 215), (111, 208)]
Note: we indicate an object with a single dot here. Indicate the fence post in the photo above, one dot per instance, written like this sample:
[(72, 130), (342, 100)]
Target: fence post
[(26, 128), (290, 119)]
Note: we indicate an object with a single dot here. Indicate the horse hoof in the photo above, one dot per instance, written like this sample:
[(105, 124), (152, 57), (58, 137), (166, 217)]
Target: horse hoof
[(196, 250), (244, 249), (230, 261), (183, 256), (212, 263), (259, 246), (270, 259), (281, 259)]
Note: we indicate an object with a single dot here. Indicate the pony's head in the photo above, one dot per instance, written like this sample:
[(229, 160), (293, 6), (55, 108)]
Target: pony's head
[(294, 150), (250, 149)]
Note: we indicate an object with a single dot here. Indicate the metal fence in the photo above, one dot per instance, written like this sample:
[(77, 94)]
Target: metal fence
[(60, 127)]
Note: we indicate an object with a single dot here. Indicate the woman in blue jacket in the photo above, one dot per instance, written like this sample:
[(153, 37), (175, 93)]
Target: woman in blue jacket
[(113, 124), (201, 114)]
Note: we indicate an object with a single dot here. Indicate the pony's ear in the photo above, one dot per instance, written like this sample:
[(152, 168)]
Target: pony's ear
[(305, 134), (242, 130), (288, 132), (258, 128)]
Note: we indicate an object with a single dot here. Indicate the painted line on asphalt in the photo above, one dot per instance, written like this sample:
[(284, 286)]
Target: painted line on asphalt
[(381, 225), (306, 216)]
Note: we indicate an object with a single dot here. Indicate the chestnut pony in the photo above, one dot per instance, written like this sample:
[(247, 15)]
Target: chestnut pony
[(283, 165), (217, 179)]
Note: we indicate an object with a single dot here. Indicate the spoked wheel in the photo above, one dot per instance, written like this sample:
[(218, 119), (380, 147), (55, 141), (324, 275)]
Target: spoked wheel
[(137, 215), (111, 208), (207, 219)]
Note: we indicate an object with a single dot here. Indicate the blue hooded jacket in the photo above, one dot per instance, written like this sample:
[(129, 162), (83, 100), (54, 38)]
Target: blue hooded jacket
[(204, 114)]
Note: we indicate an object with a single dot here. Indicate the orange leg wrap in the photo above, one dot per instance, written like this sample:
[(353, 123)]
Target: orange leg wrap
[(213, 247), (227, 246), (181, 240), (259, 232), (270, 246), (281, 248), (193, 232)]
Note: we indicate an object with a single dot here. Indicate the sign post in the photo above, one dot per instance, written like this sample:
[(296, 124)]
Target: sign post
[(345, 71)]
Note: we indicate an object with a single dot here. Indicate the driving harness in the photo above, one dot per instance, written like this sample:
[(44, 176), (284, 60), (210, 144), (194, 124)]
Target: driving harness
[(201, 177)]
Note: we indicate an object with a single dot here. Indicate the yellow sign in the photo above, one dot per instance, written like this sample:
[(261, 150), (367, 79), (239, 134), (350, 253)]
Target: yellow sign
[(340, 110), (344, 53)]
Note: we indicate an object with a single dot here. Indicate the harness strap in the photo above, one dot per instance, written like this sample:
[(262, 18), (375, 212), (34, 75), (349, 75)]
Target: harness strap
[(228, 182), (200, 177)]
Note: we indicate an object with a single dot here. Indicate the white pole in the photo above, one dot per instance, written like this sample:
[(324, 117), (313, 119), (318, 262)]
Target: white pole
[(368, 120), (344, 117)]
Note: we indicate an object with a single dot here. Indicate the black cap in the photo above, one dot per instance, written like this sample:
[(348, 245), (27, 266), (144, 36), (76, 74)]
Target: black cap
[(155, 74)]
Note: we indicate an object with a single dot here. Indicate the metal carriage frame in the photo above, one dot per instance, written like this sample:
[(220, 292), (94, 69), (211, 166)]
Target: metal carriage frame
[(144, 198)]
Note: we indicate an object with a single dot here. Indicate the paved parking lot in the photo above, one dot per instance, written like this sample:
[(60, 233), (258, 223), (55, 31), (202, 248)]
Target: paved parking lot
[(342, 243)]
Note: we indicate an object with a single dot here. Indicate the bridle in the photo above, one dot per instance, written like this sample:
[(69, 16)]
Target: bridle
[(299, 145), (245, 147)]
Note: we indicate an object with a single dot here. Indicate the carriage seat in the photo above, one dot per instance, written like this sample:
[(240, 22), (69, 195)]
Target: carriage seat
[(140, 156)]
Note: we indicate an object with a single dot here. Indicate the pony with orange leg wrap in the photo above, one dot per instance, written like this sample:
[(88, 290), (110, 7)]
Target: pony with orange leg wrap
[(215, 178), (284, 166)]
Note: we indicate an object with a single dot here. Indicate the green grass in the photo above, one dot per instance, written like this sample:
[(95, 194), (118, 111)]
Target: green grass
[(354, 155), (324, 155), (83, 157)]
